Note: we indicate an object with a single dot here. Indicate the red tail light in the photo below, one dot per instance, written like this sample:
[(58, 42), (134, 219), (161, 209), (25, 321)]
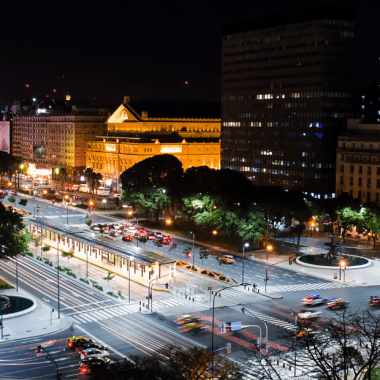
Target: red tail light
[(69, 344), (84, 369), (299, 335), (85, 353)]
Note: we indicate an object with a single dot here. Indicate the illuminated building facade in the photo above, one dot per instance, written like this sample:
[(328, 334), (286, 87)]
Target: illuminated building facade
[(286, 95), (358, 161), (49, 138), (139, 130)]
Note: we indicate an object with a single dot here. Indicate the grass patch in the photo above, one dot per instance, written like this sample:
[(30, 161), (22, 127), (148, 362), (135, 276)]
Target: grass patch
[(211, 274), (85, 281), (223, 278), (111, 294), (5, 285)]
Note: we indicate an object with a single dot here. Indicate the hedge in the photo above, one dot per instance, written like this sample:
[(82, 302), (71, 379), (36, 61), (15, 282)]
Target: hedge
[(46, 248), (111, 294), (85, 281)]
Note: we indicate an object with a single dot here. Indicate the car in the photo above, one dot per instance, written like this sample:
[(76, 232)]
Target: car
[(14, 192), (374, 300), (158, 234), (91, 345), (151, 236), (115, 233), (227, 259), (94, 352), (337, 303), (77, 341), (95, 228), (127, 238), (93, 364), (308, 314), (314, 300)]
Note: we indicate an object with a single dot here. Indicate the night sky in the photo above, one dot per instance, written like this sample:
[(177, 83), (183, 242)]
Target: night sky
[(143, 49)]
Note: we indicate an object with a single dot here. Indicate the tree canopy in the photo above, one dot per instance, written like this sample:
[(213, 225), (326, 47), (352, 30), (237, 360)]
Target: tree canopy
[(13, 239)]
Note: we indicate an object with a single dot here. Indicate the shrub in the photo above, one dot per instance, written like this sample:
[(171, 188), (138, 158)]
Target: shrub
[(46, 248), (40, 258), (211, 274), (85, 281), (23, 202), (88, 222), (36, 243), (194, 269), (51, 264), (223, 278), (84, 207), (28, 253), (111, 294), (188, 267), (72, 274), (5, 285), (97, 287), (12, 199), (204, 272)]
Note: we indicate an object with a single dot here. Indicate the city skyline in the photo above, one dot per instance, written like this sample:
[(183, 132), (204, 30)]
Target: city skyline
[(139, 50)]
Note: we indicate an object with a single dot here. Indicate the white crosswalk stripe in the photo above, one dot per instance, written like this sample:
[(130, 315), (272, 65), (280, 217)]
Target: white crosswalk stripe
[(98, 315), (168, 303), (267, 318), (308, 286)]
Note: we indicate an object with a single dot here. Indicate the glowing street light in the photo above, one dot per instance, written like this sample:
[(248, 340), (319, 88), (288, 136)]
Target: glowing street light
[(215, 232), (342, 267), (168, 222), (269, 248)]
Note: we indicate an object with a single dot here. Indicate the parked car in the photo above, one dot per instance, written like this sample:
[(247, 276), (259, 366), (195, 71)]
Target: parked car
[(84, 188), (103, 191), (151, 236)]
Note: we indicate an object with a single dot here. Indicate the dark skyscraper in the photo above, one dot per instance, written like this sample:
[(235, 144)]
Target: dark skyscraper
[(286, 95)]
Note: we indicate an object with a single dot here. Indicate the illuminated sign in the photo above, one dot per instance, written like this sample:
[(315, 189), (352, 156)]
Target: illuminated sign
[(110, 148), (41, 110), (171, 149)]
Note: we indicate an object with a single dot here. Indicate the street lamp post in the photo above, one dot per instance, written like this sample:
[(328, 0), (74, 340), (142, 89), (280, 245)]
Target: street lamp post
[(266, 329), (67, 208), (269, 248), (193, 247), (242, 273), (213, 321), (104, 204), (129, 279), (168, 221)]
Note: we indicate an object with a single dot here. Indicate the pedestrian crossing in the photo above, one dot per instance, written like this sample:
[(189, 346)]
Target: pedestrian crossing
[(267, 318), (96, 315), (299, 287), (172, 302)]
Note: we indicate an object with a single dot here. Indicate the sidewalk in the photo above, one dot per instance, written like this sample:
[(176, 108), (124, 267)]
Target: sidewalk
[(34, 323)]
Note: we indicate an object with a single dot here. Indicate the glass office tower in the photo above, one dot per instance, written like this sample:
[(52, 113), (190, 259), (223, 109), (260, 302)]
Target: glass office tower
[(286, 95)]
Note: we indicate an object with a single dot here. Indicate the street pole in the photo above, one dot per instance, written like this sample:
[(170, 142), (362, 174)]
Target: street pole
[(86, 263), (129, 280), (59, 306), (41, 239), (213, 321), (193, 249), (267, 230), (67, 212), (295, 351), (17, 273), (242, 275)]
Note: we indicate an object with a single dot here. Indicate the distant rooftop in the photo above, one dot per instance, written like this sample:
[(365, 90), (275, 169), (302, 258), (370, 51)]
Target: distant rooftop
[(304, 14), (177, 109)]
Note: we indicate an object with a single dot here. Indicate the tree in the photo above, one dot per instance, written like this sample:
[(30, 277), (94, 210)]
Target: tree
[(173, 363), (253, 227), (163, 171), (109, 277), (63, 175), (143, 239), (93, 179), (298, 229), (371, 220), (13, 238), (349, 216), (345, 346), (203, 253)]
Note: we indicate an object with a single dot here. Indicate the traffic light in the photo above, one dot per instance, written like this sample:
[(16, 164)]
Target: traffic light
[(242, 310), (267, 279), (188, 254), (226, 326), (167, 286), (150, 294), (38, 208), (210, 288), (228, 346), (39, 349), (53, 201), (290, 260)]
